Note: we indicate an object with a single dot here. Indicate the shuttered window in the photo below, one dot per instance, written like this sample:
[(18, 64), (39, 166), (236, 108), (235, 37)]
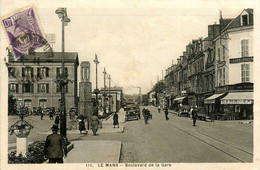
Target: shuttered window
[(245, 72), (244, 48)]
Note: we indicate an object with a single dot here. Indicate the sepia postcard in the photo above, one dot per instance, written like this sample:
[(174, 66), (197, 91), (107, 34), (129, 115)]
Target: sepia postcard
[(129, 84)]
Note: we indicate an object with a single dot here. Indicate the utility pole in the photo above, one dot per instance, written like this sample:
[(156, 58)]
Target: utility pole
[(104, 101), (109, 95), (96, 91)]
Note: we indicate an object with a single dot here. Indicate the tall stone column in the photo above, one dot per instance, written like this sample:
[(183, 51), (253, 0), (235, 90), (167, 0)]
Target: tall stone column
[(85, 92)]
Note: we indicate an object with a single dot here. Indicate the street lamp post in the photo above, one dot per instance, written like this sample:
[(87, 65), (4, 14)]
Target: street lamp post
[(62, 80), (105, 73), (109, 95), (96, 91)]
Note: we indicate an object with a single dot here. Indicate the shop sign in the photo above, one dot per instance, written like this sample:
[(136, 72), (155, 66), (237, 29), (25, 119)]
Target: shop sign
[(236, 87), (240, 60), (237, 101), (242, 87), (222, 89)]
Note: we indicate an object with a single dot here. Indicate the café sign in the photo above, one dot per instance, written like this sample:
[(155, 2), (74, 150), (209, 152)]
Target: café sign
[(240, 60), (236, 87), (236, 101)]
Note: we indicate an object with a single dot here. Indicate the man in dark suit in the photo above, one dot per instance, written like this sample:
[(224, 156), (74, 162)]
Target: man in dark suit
[(54, 146), (194, 115), (166, 113)]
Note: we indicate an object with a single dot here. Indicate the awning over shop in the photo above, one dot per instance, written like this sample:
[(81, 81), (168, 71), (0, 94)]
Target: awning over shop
[(212, 99), (179, 99), (238, 98)]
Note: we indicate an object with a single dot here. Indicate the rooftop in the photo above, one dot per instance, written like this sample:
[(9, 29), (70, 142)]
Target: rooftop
[(41, 57)]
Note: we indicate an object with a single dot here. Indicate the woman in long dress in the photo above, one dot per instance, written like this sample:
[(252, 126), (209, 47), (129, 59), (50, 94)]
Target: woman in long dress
[(94, 124)]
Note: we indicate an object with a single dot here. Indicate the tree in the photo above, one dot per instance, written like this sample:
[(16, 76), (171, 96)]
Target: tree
[(12, 106), (159, 87)]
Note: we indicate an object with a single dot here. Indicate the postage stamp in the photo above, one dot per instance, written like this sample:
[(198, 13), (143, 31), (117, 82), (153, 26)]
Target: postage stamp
[(21, 27)]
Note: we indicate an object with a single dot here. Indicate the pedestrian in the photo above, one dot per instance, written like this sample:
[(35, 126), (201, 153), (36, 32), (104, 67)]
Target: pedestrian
[(115, 120), (57, 119), (51, 114), (41, 111), (81, 126), (94, 124), (145, 115), (54, 148), (194, 115), (166, 113), (159, 108)]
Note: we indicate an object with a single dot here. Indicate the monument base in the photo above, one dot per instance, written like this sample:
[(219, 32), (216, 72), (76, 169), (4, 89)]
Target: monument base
[(21, 146)]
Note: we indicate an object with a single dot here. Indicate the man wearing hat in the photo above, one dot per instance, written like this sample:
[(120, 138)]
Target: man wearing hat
[(194, 115), (54, 146)]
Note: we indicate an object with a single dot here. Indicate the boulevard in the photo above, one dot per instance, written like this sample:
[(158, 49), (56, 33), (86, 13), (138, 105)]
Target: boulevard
[(175, 140)]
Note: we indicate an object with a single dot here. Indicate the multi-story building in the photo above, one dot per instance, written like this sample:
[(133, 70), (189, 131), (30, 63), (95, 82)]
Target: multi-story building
[(217, 72), (195, 73), (32, 80), (234, 65), (169, 79)]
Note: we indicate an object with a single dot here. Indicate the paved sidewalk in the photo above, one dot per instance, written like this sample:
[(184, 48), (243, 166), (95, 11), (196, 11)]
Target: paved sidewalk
[(94, 151), (107, 126)]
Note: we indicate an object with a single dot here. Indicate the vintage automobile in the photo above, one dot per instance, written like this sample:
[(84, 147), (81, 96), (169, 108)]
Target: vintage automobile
[(201, 113), (184, 111), (132, 111)]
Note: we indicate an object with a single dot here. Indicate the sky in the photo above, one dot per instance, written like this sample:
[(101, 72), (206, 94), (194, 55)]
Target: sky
[(134, 40)]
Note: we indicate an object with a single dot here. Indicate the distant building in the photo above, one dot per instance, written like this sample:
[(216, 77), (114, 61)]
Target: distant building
[(113, 103), (32, 79), (152, 98)]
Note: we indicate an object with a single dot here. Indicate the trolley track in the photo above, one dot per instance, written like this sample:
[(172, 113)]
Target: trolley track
[(238, 154)]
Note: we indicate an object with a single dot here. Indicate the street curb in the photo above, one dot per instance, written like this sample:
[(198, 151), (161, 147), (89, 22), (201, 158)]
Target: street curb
[(245, 122), (120, 153)]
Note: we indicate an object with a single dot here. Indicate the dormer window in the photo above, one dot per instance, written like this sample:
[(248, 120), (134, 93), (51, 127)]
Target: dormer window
[(244, 19)]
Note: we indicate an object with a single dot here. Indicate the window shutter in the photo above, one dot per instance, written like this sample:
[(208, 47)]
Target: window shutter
[(66, 71), (38, 72), (58, 72), (22, 88), (242, 72), (17, 86), (47, 87), (23, 72), (32, 88), (31, 72), (38, 88), (246, 48), (47, 72)]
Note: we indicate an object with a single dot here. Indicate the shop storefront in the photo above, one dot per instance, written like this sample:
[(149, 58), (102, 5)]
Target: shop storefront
[(213, 103), (239, 101), (238, 105)]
